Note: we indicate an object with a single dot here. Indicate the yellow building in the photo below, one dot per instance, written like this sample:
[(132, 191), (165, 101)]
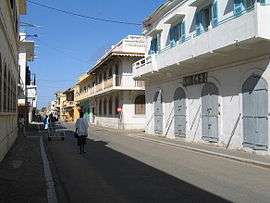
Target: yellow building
[(81, 96), (68, 105)]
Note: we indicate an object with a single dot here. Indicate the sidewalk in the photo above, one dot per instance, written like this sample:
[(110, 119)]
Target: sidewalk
[(237, 155), (21, 172)]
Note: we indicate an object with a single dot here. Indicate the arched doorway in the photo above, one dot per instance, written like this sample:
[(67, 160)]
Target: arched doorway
[(255, 112), (210, 112), (180, 112), (158, 113)]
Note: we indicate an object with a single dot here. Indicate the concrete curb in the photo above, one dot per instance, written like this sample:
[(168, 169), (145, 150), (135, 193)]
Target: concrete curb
[(51, 194), (234, 158)]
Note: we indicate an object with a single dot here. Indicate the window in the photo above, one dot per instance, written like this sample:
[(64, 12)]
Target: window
[(155, 44), (140, 105), (100, 78), (242, 5), (110, 106), (104, 75), (177, 33), (110, 73), (100, 107), (206, 16), (105, 107), (116, 105), (116, 69)]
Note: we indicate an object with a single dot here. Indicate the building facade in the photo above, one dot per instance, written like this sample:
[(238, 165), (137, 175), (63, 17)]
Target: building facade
[(113, 97), (207, 72), (69, 106), (10, 10), (26, 55)]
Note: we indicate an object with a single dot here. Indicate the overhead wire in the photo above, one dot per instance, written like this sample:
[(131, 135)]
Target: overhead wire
[(94, 18)]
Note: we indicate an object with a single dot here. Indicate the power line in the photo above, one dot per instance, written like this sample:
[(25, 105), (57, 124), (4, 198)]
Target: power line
[(84, 16)]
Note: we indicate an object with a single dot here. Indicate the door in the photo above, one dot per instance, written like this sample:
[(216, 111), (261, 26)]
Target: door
[(158, 113), (210, 112), (255, 113), (180, 113)]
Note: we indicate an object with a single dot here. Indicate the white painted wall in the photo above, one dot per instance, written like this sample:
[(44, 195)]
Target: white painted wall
[(229, 81)]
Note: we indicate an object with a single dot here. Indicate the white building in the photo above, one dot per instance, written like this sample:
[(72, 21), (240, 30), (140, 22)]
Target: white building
[(32, 98), (9, 71), (26, 55), (109, 95), (207, 72)]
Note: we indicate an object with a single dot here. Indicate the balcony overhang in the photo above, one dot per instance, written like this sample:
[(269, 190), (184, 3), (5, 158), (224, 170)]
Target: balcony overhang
[(154, 32), (30, 50), (199, 3), (175, 18), (22, 7)]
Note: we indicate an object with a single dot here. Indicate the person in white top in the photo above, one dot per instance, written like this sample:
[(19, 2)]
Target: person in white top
[(81, 127)]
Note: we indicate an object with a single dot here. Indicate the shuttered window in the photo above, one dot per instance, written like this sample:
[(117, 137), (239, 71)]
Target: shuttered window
[(105, 107), (116, 105), (155, 44), (140, 105), (100, 107), (110, 106)]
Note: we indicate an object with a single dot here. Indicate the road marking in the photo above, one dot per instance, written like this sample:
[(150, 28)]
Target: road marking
[(51, 194)]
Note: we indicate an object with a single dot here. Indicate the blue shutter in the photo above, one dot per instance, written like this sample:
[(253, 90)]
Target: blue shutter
[(183, 31), (215, 14), (265, 2), (238, 7), (199, 21), (172, 36), (158, 42)]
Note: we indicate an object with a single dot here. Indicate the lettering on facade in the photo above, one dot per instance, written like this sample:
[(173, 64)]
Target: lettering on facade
[(195, 79)]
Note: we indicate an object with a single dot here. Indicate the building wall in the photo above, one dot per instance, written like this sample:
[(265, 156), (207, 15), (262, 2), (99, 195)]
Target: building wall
[(9, 59), (229, 80), (127, 119)]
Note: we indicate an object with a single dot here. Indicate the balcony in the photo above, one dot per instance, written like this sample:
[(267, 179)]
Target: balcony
[(232, 39), (69, 104), (116, 83)]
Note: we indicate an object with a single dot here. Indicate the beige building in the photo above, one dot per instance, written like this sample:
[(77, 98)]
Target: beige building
[(9, 70), (108, 95)]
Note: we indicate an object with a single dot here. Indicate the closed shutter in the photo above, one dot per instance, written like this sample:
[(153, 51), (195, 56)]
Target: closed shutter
[(199, 22), (140, 105), (183, 31), (238, 7), (215, 14), (158, 42)]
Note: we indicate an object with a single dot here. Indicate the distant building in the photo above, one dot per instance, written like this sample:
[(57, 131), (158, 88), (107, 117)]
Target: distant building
[(26, 55), (10, 12), (207, 72), (69, 109), (32, 98), (108, 94)]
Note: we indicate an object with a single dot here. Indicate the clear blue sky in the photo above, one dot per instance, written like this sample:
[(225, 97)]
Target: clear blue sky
[(68, 45)]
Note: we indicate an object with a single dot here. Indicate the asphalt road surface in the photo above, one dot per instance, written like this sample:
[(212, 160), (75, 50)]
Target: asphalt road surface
[(125, 169)]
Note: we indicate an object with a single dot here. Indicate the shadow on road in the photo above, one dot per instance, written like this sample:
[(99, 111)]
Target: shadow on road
[(104, 174)]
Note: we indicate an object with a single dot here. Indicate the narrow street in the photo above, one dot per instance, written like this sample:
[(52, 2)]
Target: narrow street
[(125, 169)]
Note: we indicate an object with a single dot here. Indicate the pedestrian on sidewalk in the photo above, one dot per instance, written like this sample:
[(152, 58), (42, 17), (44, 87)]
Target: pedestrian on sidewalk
[(81, 129)]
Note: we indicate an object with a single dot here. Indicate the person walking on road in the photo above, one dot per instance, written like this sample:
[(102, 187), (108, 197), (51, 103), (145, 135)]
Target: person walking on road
[(81, 129), (46, 122)]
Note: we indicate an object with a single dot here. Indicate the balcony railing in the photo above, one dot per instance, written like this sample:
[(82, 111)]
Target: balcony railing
[(139, 67), (116, 81), (108, 83)]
